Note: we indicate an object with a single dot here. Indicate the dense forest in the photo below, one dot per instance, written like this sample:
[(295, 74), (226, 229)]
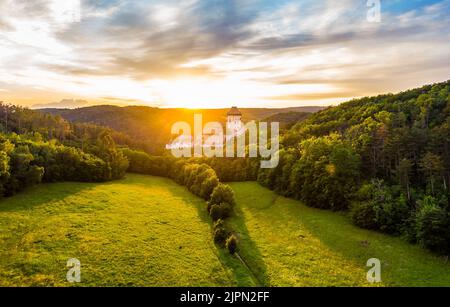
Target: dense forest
[(287, 120), (19, 120), (37, 147), (384, 158)]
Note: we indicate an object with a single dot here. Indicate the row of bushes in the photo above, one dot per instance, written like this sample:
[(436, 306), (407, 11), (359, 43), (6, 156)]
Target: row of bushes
[(201, 180), (226, 169), (384, 208), (143, 163), (232, 169)]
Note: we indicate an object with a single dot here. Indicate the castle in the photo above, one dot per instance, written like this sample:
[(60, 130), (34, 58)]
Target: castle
[(234, 122), (234, 125)]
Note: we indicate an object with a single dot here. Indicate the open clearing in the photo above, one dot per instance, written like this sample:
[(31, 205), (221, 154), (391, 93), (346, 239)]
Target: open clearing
[(140, 231), (149, 231), (289, 244)]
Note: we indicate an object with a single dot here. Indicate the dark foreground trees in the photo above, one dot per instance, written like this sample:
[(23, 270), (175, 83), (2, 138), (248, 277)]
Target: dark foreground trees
[(25, 161)]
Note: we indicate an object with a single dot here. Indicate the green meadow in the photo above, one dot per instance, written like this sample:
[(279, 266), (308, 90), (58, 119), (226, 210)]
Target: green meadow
[(286, 243), (149, 231), (140, 231)]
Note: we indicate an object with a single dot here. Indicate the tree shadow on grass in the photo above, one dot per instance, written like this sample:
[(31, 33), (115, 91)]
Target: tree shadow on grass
[(248, 251), (249, 272), (41, 194), (252, 270), (402, 263)]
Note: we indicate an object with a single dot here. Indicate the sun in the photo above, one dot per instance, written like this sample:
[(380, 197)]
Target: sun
[(201, 93)]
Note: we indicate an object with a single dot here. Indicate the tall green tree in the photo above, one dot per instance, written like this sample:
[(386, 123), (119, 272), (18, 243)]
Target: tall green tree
[(433, 167), (107, 150)]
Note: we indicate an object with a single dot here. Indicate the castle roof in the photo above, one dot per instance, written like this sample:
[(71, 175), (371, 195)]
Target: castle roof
[(234, 112)]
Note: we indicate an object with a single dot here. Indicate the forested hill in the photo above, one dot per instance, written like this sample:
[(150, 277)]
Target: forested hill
[(287, 120), (385, 157), (388, 128), (37, 147), (152, 125)]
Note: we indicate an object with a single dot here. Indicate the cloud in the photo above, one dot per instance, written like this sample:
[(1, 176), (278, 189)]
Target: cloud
[(4, 25), (159, 39), (63, 104), (119, 48), (315, 96)]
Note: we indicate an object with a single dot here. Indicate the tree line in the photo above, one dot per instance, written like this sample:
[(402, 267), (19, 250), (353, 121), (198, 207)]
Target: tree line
[(27, 159), (19, 120)]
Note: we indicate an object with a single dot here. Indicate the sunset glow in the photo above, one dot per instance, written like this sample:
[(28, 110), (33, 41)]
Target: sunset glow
[(208, 54)]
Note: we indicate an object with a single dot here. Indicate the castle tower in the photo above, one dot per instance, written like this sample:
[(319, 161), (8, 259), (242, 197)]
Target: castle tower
[(234, 122)]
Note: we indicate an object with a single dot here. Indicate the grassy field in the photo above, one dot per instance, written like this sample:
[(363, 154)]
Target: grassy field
[(286, 243), (140, 231), (149, 231)]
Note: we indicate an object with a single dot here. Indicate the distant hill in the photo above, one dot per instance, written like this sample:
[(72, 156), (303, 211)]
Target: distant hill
[(152, 125), (93, 112), (287, 120)]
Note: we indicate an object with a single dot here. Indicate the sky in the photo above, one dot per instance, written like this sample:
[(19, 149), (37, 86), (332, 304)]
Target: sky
[(214, 54)]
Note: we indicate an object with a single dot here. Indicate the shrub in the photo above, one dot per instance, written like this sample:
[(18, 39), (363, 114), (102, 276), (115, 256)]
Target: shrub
[(208, 185), (220, 232), (220, 235), (363, 215), (231, 244), (380, 208), (408, 230), (219, 223), (215, 212), (208, 207), (190, 173), (142, 163), (222, 193), (392, 214), (227, 210), (432, 226), (106, 150), (220, 211)]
